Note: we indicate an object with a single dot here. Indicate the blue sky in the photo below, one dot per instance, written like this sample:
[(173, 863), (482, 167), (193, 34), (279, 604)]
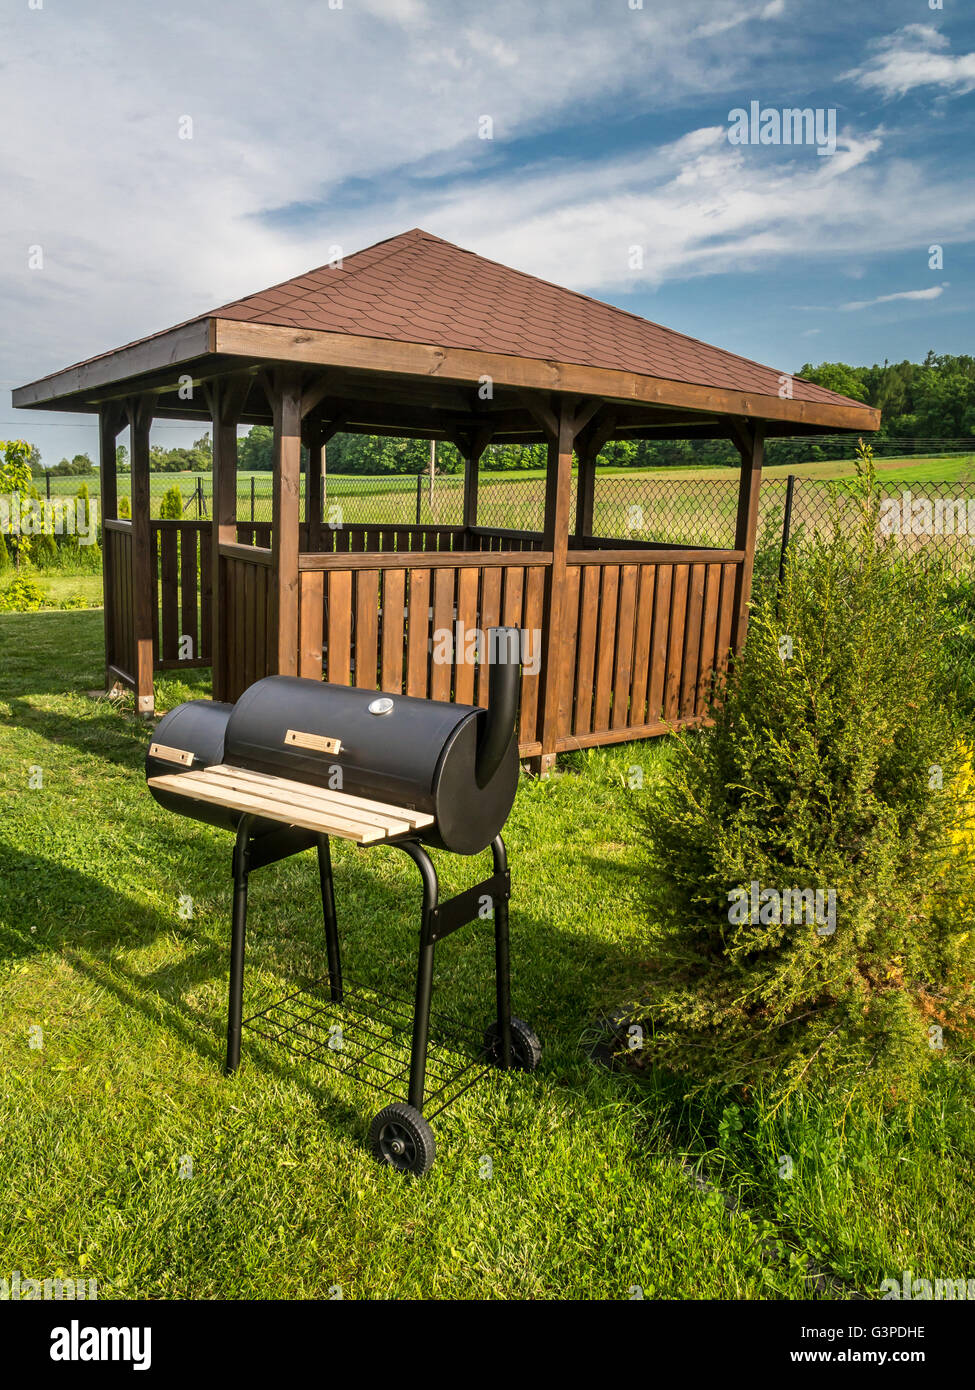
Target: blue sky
[(315, 125)]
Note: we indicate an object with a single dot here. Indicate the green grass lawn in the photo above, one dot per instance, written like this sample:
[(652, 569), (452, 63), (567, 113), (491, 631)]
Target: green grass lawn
[(603, 1181)]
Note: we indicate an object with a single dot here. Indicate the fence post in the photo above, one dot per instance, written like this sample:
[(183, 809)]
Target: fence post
[(47, 480), (252, 497), (419, 496), (790, 488)]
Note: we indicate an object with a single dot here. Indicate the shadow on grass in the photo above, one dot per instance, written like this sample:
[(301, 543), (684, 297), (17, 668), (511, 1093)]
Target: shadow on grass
[(96, 927)]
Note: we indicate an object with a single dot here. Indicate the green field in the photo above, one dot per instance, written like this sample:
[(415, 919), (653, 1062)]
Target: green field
[(602, 1181)]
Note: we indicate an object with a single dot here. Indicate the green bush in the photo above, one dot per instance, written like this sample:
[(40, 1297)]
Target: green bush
[(827, 769), (171, 506), (21, 595), (957, 624)]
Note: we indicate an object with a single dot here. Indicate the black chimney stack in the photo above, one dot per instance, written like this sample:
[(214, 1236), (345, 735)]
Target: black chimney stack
[(504, 680)]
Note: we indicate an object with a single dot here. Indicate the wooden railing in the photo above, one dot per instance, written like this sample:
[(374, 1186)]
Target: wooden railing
[(644, 631), (644, 628)]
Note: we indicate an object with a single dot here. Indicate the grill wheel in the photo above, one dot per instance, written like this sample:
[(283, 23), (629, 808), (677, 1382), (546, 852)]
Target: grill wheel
[(401, 1137), (526, 1050)]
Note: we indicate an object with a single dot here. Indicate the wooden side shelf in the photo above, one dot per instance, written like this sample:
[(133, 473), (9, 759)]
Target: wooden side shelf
[(295, 803)]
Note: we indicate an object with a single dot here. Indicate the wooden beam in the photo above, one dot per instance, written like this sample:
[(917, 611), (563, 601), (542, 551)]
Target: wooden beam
[(285, 396), (225, 400), (164, 351), (750, 440), (144, 587), (312, 346)]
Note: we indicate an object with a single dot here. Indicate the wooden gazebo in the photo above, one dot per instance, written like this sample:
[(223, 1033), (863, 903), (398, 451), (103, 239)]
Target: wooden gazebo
[(415, 337)]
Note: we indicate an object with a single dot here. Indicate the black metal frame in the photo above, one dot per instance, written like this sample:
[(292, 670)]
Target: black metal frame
[(439, 919)]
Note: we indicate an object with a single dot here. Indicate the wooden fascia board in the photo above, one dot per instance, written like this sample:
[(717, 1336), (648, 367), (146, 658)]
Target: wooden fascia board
[(172, 349), (312, 346)]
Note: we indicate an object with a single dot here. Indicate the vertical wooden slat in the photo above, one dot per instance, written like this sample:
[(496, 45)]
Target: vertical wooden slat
[(248, 638), (338, 647), (490, 617), (726, 616), (675, 645), (640, 682), (534, 608), (605, 647), (709, 637), (367, 629), (394, 630), (169, 571), (464, 670), (206, 594), (189, 587), (586, 649), (567, 652), (262, 665), (443, 620), (663, 586), (692, 641), (311, 607), (418, 633), (625, 628)]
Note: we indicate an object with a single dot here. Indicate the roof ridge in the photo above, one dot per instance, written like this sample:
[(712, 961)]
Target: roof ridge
[(400, 237)]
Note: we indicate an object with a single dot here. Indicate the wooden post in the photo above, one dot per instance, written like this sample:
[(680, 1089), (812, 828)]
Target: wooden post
[(144, 586), (226, 399), (313, 482), (589, 444), (750, 440), (286, 403), (472, 447), (110, 421), (558, 483)]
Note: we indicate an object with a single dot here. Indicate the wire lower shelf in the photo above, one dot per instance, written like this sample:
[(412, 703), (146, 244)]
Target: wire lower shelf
[(366, 1037)]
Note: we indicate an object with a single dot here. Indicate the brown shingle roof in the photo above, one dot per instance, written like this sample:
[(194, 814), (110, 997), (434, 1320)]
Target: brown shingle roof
[(417, 288)]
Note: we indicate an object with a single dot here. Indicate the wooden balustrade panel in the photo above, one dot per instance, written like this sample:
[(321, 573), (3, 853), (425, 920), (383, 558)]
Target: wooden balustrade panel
[(247, 624), (642, 642), (122, 653), (642, 638)]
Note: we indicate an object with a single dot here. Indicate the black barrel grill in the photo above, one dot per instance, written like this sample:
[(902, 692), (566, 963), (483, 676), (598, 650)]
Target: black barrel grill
[(295, 762)]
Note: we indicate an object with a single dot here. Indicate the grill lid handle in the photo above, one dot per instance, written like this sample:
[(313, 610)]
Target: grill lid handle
[(504, 681)]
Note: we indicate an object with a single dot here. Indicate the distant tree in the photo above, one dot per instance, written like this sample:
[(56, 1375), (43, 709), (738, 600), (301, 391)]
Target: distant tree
[(255, 451), (836, 376)]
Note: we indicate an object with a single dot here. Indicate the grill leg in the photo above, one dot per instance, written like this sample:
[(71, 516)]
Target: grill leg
[(502, 964), (424, 974), (236, 1005), (331, 924)]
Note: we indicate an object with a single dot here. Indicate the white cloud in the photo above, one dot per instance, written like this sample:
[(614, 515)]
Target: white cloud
[(913, 57), (935, 292)]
